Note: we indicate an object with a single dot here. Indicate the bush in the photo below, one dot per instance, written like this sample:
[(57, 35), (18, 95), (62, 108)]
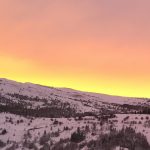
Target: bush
[(44, 139), (45, 147), (65, 146), (147, 124), (66, 128), (55, 134), (3, 132), (126, 118), (71, 146), (127, 138), (2, 144), (78, 136), (58, 146), (29, 145), (32, 146), (55, 122)]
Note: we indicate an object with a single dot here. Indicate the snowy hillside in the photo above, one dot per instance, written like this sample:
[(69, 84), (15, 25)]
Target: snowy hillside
[(35, 96), (46, 118)]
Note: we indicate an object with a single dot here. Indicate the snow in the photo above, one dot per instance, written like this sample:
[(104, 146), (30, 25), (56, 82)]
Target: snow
[(80, 101), (37, 126)]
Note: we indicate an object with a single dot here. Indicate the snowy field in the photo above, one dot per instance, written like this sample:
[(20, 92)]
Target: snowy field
[(17, 129)]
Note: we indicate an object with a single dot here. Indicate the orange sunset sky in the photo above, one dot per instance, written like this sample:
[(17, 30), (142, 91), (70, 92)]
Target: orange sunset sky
[(92, 45)]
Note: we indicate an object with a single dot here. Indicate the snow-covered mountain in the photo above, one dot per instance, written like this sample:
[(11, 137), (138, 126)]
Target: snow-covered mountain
[(37, 96), (46, 118)]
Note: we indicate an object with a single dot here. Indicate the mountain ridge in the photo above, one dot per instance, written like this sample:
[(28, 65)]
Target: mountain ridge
[(37, 96), (72, 89)]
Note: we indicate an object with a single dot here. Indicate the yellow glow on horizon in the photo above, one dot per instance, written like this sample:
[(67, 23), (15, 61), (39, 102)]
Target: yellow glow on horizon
[(85, 45), (23, 72)]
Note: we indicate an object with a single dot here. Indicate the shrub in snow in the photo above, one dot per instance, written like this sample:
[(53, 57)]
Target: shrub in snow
[(66, 128), (65, 146), (87, 129), (71, 146), (78, 136), (126, 118), (147, 117), (55, 122), (55, 134), (2, 144), (140, 122), (3, 132), (29, 145), (45, 138), (45, 147), (147, 124), (127, 137), (82, 145)]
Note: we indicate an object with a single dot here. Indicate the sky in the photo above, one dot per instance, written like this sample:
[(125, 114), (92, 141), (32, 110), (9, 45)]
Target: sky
[(99, 46)]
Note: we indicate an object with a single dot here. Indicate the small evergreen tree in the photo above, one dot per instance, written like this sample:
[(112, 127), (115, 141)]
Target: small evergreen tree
[(78, 136)]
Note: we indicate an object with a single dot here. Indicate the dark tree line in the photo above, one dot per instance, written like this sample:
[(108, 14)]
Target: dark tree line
[(50, 112)]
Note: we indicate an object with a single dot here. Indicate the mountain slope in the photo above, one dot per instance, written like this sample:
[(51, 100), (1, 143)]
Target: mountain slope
[(33, 96), (42, 118)]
